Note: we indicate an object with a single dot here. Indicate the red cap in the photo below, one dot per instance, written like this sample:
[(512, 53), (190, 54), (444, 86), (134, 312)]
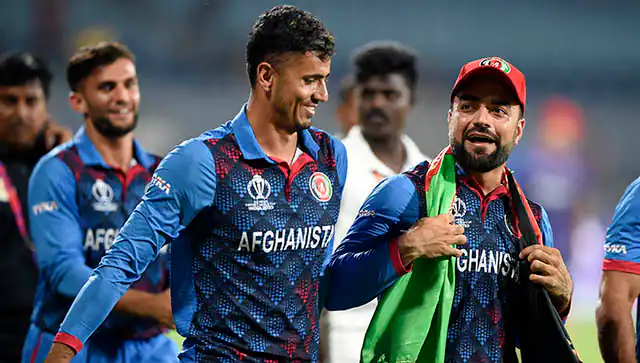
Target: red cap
[(500, 68)]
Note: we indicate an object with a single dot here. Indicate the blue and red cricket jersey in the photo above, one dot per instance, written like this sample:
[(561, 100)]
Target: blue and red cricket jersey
[(250, 238), (622, 243), (368, 261), (77, 204)]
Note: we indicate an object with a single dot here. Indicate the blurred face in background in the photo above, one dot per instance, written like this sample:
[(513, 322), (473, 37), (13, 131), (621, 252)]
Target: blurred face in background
[(109, 99), (23, 114), (485, 123), (295, 85), (383, 105), (347, 112)]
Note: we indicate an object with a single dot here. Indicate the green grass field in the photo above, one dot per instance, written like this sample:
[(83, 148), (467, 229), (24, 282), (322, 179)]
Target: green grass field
[(585, 338), (582, 331)]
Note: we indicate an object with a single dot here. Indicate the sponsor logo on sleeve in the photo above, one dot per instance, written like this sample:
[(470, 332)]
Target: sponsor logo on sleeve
[(616, 249), (44, 207), (159, 183), (366, 213)]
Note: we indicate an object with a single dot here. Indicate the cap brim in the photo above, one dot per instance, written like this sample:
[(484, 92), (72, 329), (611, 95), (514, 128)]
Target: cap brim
[(494, 72)]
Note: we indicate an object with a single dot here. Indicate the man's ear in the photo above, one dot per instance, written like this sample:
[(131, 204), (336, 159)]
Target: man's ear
[(266, 75), (77, 102), (519, 130)]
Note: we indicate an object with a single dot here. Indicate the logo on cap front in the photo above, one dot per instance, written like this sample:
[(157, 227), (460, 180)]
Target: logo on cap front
[(496, 62)]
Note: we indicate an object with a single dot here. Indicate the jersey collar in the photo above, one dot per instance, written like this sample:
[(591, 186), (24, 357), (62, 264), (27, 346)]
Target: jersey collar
[(250, 147), (90, 155), (501, 191)]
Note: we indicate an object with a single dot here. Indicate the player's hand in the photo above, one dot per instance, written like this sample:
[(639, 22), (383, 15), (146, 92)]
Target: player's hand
[(431, 237), (55, 134), (60, 353), (161, 309), (549, 270)]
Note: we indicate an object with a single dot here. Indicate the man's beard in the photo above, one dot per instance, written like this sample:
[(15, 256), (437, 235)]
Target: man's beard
[(107, 129), (481, 163)]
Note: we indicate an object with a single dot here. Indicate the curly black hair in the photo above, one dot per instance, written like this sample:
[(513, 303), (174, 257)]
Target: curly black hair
[(18, 69), (384, 58), (88, 58), (285, 29)]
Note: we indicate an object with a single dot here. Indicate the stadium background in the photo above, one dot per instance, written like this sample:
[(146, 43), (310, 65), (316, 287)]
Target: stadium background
[(580, 59)]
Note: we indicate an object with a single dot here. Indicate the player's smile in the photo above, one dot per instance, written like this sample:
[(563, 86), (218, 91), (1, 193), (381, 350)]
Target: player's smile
[(123, 114), (309, 110), (480, 143)]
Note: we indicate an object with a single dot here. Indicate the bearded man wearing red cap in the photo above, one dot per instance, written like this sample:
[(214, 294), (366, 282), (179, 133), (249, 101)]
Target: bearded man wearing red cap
[(448, 246)]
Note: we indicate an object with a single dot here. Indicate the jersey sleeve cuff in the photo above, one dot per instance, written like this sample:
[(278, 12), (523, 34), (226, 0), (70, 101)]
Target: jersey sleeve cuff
[(622, 266), (394, 254), (68, 340)]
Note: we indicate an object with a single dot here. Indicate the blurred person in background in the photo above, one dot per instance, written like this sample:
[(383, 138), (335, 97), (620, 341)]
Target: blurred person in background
[(346, 112), (386, 76), (249, 209), (26, 134), (620, 282), (554, 171), (80, 194)]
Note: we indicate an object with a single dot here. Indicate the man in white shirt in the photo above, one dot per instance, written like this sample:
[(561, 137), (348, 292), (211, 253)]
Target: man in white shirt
[(377, 147)]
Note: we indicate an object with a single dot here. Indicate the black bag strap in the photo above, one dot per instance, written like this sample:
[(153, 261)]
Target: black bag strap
[(529, 238)]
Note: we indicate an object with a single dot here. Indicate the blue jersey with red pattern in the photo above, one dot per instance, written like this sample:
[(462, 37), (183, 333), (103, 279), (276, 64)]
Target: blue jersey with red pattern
[(250, 237), (77, 205), (622, 243), (260, 254), (367, 261)]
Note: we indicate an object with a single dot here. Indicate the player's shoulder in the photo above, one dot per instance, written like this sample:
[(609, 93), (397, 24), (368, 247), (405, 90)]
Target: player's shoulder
[(196, 151), (59, 156), (214, 135), (628, 207), (396, 188), (537, 209), (57, 162), (319, 134), (324, 138), (631, 194), (417, 174), (199, 144), (330, 145)]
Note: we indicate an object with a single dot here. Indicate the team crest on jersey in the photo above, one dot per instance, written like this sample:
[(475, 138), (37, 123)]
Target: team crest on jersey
[(103, 194), (496, 62), (320, 186), (259, 190)]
